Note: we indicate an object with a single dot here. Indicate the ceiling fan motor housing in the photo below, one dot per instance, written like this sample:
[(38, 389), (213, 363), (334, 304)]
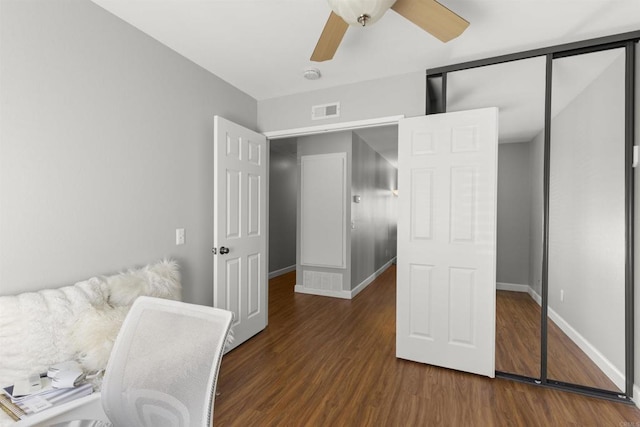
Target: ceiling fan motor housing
[(353, 11), (429, 15)]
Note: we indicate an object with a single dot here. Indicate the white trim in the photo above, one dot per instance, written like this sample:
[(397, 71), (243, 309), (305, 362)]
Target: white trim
[(346, 294), (333, 127), (366, 282), (513, 287), (533, 294), (323, 292), (636, 394), (596, 357), (280, 272)]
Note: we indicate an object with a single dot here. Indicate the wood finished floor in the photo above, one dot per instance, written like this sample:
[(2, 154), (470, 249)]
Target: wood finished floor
[(329, 362), (518, 345)]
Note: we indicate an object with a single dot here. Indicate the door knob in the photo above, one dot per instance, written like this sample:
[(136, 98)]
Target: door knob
[(223, 250)]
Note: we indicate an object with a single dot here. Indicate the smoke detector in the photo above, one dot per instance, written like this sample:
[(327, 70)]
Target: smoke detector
[(312, 74)]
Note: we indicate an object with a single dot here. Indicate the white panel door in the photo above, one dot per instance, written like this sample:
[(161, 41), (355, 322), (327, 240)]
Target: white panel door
[(240, 226), (447, 184), (323, 214)]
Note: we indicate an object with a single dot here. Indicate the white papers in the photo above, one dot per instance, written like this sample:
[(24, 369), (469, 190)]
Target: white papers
[(21, 393), (65, 382), (26, 386), (36, 404), (27, 405)]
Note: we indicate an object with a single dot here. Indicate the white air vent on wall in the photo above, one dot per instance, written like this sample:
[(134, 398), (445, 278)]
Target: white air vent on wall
[(322, 280), (325, 111)]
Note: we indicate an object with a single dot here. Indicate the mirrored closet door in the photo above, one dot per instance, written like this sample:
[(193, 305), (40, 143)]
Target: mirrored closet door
[(517, 87), (586, 273), (565, 215)]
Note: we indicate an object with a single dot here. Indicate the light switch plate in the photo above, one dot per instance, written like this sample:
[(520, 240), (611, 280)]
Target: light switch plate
[(179, 236)]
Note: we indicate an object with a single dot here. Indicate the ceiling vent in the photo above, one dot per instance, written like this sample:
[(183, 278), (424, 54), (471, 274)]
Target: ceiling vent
[(325, 111)]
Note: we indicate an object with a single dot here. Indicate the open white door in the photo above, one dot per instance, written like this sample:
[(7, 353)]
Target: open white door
[(240, 227), (447, 184)]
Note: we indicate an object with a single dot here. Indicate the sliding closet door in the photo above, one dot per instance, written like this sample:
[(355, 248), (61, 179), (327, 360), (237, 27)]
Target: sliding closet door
[(586, 240), (518, 87), (579, 213)]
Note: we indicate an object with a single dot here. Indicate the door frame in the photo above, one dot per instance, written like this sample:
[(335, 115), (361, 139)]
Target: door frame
[(333, 127), (316, 130)]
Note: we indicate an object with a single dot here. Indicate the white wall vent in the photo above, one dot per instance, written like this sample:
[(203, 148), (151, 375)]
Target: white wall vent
[(322, 280), (325, 111)]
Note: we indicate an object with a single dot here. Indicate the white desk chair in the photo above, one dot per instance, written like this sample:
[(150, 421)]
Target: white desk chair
[(164, 366)]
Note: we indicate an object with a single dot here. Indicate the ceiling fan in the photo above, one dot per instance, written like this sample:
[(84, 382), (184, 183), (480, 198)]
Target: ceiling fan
[(429, 15)]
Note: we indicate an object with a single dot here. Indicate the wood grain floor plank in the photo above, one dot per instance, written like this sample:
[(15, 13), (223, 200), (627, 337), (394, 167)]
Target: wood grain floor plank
[(518, 345), (328, 362)]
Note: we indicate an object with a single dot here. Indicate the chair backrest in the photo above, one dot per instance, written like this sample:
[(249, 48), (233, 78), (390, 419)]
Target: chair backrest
[(164, 364)]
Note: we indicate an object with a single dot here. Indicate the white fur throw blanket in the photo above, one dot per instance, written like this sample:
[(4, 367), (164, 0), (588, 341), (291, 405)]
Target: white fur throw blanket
[(38, 329)]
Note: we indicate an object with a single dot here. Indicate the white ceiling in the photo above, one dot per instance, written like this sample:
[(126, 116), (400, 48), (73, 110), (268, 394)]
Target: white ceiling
[(263, 46)]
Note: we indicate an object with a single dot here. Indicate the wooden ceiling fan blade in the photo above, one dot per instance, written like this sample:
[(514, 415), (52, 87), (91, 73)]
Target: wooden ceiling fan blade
[(432, 17), (330, 38)]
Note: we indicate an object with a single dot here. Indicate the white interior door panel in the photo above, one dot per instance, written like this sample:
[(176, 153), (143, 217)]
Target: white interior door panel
[(240, 227), (447, 183)]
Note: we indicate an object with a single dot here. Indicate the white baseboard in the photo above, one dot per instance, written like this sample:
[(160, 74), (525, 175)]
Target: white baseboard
[(636, 395), (282, 271), (596, 357), (366, 282), (323, 292), (533, 294), (345, 294), (513, 287)]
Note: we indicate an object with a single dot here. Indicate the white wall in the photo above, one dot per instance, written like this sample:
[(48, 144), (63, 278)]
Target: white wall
[(373, 240), (514, 207), (283, 190), (105, 148), (404, 94)]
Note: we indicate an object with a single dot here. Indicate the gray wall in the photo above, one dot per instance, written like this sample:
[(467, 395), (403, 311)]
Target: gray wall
[(514, 195), (283, 190), (105, 148), (335, 142), (586, 217), (373, 240), (404, 94)]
